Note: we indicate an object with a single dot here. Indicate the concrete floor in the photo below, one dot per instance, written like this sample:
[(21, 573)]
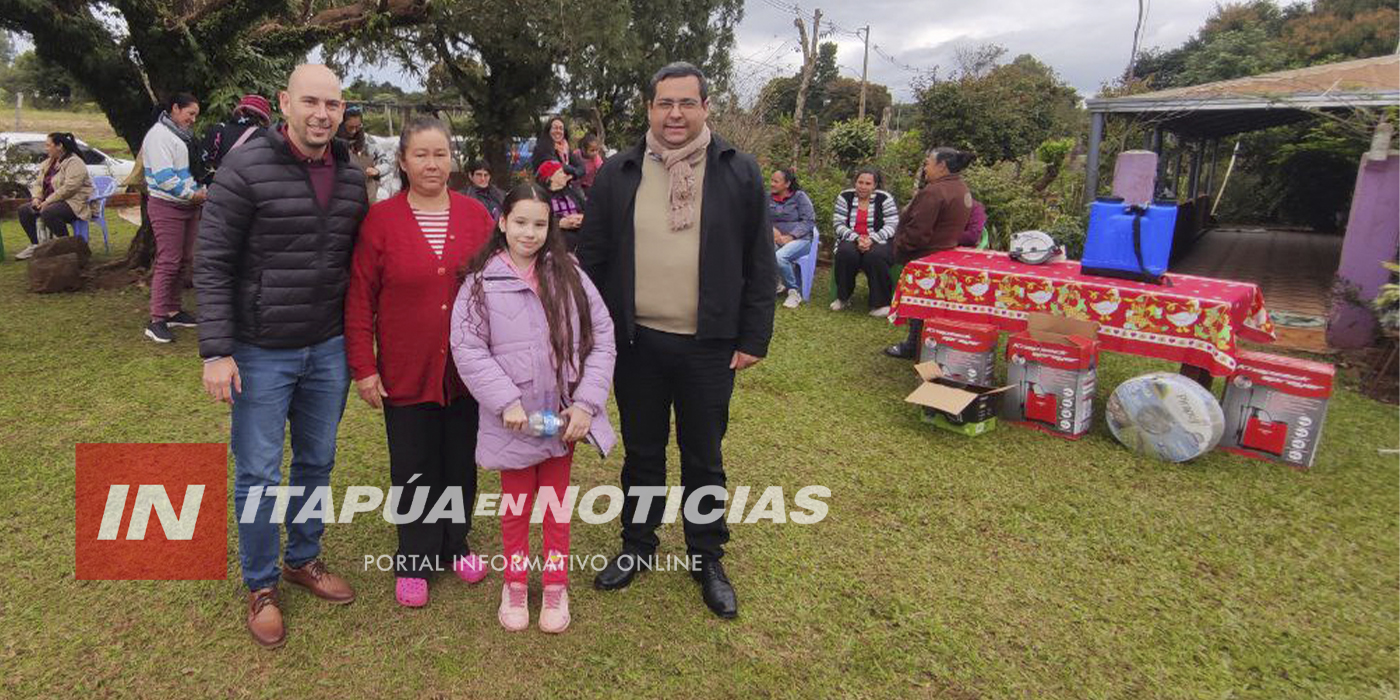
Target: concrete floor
[(1294, 269)]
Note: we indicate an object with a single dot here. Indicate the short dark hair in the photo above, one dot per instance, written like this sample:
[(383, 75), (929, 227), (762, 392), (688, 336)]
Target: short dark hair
[(678, 69), (476, 165), (180, 99), (586, 141)]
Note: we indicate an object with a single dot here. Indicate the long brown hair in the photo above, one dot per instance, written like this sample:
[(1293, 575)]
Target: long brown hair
[(560, 285)]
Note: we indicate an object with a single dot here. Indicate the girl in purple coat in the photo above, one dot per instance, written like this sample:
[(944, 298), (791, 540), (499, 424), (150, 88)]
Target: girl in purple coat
[(530, 334)]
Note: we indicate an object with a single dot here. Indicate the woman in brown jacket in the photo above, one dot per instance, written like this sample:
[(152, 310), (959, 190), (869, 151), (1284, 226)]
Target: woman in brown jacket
[(59, 193), (933, 221)]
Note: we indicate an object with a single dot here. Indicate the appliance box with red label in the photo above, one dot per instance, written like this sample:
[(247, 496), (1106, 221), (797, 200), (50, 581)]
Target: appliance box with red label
[(1052, 369), (1274, 407), (965, 352)]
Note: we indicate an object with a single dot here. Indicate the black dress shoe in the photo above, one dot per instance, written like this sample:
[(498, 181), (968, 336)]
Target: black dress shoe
[(716, 589), (621, 570), (903, 351)]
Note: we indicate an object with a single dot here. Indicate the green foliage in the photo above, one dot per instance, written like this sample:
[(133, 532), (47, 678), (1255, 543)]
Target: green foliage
[(1241, 39), (43, 83), (1011, 202), (1052, 152), (899, 164), (1235, 53), (830, 97), (853, 142), (1314, 175), (1002, 113), (1387, 302), (843, 101)]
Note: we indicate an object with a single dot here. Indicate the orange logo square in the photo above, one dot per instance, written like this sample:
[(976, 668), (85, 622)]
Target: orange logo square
[(152, 511)]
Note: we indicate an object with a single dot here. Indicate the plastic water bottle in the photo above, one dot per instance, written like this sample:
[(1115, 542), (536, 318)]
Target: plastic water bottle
[(544, 424)]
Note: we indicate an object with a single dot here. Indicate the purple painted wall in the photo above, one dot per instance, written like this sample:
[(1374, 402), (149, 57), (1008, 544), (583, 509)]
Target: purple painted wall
[(1134, 174), (1372, 235)]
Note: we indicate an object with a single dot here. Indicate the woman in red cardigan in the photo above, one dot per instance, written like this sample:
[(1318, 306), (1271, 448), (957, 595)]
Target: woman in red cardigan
[(403, 280)]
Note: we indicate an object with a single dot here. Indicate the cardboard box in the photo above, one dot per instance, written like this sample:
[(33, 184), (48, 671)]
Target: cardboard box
[(1052, 369), (1275, 406), (953, 405), (966, 352)]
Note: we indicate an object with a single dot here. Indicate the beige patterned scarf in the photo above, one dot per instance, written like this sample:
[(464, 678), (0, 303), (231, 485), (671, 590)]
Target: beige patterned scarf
[(680, 165)]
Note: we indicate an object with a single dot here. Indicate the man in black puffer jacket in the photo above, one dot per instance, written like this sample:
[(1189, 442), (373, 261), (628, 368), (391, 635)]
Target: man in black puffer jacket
[(272, 266)]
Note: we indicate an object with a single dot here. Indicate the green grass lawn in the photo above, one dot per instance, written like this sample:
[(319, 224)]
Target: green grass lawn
[(1014, 565)]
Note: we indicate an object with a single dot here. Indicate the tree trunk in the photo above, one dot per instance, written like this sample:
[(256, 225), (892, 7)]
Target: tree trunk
[(809, 63)]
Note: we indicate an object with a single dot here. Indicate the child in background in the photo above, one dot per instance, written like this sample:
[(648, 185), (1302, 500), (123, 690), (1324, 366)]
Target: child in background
[(530, 333)]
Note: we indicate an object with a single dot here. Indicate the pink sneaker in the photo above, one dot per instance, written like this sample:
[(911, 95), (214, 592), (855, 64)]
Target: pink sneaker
[(514, 613), (554, 615), (471, 568), (411, 592)]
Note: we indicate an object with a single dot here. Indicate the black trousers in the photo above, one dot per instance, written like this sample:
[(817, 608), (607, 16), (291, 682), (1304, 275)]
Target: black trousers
[(56, 218), (437, 443), (875, 263), (656, 372)]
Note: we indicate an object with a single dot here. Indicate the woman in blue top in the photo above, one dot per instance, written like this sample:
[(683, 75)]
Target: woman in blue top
[(794, 221)]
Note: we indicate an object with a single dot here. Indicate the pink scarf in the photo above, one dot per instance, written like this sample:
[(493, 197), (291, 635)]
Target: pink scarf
[(680, 165)]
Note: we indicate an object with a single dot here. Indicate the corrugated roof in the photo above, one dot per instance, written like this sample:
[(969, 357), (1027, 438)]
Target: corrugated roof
[(1257, 102)]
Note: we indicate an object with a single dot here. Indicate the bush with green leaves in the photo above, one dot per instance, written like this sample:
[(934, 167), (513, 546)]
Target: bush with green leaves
[(853, 141)]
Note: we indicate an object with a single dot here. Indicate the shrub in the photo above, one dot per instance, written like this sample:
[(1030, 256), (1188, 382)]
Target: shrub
[(853, 141)]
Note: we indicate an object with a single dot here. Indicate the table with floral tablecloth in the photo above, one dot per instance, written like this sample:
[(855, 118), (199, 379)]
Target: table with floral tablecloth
[(1197, 321)]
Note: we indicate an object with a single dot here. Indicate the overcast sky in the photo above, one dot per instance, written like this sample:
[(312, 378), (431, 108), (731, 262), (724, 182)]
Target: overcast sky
[(1085, 41)]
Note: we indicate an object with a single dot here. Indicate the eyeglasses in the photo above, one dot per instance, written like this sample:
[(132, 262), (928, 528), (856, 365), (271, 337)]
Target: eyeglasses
[(686, 105)]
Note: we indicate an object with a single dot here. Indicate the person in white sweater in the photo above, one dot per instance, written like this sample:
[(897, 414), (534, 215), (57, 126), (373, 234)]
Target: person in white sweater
[(172, 167)]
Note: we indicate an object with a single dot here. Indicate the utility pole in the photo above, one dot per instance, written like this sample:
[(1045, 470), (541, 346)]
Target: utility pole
[(864, 71)]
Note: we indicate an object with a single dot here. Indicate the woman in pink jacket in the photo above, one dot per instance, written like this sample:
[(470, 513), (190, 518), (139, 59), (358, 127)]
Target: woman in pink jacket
[(530, 334)]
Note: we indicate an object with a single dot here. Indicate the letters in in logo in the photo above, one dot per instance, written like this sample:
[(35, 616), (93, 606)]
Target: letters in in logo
[(152, 511)]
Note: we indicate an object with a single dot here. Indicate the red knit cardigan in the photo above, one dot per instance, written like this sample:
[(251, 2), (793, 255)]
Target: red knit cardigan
[(400, 298)]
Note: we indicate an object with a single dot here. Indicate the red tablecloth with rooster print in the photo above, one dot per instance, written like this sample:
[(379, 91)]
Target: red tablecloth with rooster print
[(1193, 320)]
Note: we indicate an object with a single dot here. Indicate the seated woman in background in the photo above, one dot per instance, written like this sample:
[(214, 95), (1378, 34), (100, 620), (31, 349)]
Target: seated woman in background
[(865, 218), (794, 220), (565, 199), (976, 221), (934, 220), (59, 194)]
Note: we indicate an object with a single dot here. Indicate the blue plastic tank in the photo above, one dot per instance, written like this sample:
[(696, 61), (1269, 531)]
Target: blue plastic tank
[(1112, 249)]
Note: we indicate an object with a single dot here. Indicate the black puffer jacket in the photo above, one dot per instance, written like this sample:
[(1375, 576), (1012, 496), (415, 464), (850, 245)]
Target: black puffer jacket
[(272, 266)]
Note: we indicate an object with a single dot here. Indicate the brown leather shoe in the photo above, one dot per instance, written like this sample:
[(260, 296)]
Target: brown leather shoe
[(265, 618), (322, 583)]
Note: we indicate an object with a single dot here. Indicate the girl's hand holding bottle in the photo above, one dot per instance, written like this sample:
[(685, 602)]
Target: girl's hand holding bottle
[(515, 418), (580, 420)]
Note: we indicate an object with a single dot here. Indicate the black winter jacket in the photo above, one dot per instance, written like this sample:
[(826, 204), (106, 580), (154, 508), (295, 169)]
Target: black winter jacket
[(271, 265), (737, 265)]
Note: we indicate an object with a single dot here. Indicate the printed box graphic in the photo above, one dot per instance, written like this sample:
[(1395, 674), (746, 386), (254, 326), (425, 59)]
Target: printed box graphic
[(152, 511)]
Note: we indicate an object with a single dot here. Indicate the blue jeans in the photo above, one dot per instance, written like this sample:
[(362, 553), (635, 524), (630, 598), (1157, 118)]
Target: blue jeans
[(306, 388), (787, 256)]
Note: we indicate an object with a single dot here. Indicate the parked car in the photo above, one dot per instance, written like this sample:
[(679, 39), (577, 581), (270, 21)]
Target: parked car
[(21, 154)]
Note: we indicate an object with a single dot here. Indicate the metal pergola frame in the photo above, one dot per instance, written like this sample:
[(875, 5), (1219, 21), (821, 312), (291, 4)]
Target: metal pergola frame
[(1204, 114)]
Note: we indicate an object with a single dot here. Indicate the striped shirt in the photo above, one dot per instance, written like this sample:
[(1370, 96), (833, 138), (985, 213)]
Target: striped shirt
[(433, 224)]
